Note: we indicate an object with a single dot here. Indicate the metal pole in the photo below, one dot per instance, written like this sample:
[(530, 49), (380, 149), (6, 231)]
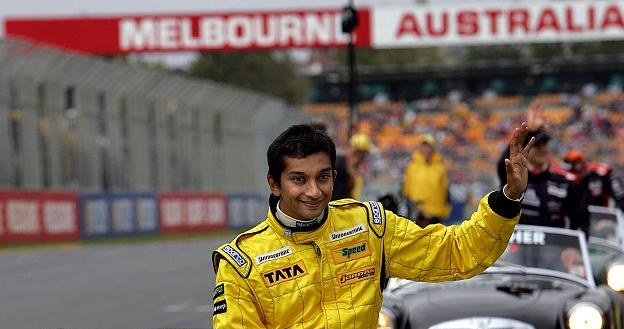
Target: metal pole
[(349, 22), (352, 85)]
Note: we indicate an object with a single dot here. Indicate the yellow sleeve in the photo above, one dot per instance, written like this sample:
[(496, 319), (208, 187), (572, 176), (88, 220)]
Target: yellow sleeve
[(234, 304), (440, 253)]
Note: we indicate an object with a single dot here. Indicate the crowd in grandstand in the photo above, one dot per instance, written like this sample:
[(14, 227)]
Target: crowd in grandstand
[(471, 133)]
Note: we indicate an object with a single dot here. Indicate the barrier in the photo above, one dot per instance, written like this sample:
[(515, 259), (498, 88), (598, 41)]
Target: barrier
[(118, 214), (95, 216), (246, 210), (192, 212), (38, 216)]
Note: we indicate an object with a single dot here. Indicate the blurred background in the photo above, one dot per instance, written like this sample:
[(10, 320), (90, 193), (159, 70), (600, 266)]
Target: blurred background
[(148, 121)]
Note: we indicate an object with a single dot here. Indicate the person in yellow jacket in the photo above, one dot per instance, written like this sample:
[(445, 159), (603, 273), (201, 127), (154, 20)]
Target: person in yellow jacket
[(313, 263), (425, 184)]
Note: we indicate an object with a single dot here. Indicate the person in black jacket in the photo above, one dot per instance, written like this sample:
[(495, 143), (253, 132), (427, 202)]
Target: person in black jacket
[(597, 177), (552, 198)]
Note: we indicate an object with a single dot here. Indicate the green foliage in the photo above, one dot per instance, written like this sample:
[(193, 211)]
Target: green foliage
[(271, 73)]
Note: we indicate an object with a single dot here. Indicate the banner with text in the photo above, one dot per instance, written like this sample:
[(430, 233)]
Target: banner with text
[(246, 210), (27, 216), (192, 212), (496, 23), (196, 32)]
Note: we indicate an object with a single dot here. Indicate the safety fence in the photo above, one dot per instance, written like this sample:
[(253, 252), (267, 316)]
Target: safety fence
[(52, 216), (83, 123)]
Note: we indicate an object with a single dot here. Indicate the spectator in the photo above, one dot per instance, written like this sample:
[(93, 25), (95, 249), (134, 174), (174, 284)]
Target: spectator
[(425, 183), (598, 178), (552, 198)]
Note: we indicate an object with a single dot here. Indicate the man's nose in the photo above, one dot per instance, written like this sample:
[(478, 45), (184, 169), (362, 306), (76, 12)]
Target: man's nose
[(313, 190)]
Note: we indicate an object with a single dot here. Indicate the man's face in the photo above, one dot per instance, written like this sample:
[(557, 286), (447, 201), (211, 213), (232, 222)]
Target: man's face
[(306, 186), (539, 154)]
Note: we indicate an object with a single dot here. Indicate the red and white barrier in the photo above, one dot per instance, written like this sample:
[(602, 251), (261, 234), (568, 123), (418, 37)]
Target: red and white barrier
[(192, 212)]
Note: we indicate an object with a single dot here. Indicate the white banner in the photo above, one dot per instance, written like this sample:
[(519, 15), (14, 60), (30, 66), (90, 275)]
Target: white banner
[(469, 24)]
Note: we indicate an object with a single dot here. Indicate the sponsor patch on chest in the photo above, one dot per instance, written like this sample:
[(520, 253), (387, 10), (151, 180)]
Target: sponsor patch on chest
[(360, 274), (284, 274), (279, 253), (339, 235), (353, 251)]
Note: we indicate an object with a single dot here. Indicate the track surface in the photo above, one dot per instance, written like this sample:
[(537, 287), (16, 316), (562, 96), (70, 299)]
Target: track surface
[(160, 284)]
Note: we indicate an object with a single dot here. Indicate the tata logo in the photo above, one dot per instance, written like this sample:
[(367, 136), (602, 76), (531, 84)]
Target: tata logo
[(360, 274), (284, 274), (376, 212), (349, 252)]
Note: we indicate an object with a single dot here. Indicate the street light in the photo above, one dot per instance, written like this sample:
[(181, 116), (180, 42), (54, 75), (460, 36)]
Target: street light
[(349, 23)]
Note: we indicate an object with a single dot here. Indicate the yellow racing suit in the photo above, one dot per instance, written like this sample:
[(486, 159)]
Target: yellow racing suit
[(333, 276)]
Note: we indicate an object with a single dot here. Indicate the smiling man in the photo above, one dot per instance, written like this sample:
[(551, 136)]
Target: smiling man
[(313, 263)]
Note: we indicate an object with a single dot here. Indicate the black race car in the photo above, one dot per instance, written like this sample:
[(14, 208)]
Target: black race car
[(606, 246), (543, 280)]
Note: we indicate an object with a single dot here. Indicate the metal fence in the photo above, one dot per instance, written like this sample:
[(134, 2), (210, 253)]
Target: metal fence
[(77, 122)]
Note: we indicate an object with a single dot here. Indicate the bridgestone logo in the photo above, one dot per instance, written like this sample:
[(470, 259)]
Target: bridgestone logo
[(356, 276), (335, 236), (273, 255), (235, 255)]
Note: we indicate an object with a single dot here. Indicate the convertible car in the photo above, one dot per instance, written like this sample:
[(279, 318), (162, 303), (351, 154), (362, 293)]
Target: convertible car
[(606, 246), (543, 280)]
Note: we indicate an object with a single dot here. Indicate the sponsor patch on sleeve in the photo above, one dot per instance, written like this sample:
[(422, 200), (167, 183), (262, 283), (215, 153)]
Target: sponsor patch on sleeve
[(279, 253), (376, 212), (360, 274), (235, 255), (339, 235), (353, 251), (218, 291), (219, 307)]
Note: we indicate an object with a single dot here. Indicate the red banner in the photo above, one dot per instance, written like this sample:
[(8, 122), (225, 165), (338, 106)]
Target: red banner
[(197, 32), (38, 216), (192, 212)]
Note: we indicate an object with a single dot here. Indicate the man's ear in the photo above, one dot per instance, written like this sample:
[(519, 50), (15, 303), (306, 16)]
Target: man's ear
[(275, 189), (335, 173)]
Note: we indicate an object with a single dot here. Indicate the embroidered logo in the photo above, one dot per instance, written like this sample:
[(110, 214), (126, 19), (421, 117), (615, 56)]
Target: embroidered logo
[(354, 276), (376, 212), (218, 291), (219, 307), (279, 253), (235, 255), (352, 251), (284, 274), (335, 236)]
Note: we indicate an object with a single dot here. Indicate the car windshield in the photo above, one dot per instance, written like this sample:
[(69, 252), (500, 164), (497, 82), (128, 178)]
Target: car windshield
[(606, 223), (549, 248)]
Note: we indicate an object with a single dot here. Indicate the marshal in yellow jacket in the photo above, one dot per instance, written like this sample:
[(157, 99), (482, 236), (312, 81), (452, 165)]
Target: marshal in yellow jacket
[(333, 276)]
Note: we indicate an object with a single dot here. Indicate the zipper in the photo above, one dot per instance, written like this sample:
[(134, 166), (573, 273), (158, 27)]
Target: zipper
[(317, 249), (319, 257)]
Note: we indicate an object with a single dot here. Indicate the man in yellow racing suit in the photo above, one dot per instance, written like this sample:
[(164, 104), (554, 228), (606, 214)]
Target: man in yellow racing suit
[(315, 264)]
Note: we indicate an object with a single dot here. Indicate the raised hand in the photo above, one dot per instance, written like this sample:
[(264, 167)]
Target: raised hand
[(516, 165), (535, 116)]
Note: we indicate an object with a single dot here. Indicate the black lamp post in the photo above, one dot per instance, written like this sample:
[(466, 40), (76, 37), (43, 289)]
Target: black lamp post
[(349, 23)]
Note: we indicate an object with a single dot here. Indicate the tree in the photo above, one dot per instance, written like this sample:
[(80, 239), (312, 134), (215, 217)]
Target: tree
[(273, 73)]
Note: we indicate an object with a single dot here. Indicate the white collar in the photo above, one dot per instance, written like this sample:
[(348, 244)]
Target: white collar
[(291, 222)]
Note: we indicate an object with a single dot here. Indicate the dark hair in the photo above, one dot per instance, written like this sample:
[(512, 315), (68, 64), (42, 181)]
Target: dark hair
[(298, 141)]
